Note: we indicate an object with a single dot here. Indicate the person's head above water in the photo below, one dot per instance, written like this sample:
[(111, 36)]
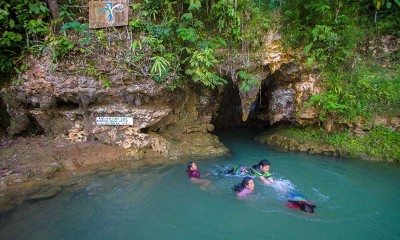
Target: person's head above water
[(192, 166), (264, 165), (247, 182)]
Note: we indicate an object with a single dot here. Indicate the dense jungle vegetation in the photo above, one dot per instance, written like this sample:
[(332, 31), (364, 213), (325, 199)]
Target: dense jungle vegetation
[(180, 40)]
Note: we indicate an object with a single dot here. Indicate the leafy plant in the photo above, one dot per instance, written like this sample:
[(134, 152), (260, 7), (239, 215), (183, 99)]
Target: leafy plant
[(160, 65), (372, 90), (60, 45), (187, 34), (228, 18), (98, 75), (248, 80), (201, 63), (21, 22)]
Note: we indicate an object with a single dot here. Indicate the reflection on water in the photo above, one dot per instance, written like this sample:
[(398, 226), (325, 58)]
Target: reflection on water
[(356, 200)]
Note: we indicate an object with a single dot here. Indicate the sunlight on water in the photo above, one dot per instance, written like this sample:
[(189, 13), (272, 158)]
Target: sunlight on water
[(356, 200)]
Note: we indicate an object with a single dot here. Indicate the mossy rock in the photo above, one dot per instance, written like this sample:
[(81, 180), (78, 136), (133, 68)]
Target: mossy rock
[(45, 193)]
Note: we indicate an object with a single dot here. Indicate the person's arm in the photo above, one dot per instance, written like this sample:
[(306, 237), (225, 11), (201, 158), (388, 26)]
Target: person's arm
[(203, 182), (266, 180), (271, 180)]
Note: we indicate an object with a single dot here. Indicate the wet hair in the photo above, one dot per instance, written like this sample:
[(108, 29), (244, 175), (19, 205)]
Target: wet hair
[(190, 164), (304, 206), (308, 207), (239, 187), (264, 162)]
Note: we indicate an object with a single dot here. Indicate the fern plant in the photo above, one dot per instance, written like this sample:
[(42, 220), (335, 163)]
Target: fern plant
[(160, 66), (201, 63), (248, 80)]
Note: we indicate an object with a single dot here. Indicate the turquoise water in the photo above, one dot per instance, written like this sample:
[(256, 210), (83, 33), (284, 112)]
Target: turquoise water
[(356, 200)]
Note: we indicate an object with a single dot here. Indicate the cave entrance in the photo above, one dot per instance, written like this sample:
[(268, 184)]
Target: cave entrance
[(229, 113)]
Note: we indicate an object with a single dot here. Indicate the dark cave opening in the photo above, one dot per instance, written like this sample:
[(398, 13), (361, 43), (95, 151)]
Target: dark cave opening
[(34, 128), (63, 105), (144, 130), (229, 113)]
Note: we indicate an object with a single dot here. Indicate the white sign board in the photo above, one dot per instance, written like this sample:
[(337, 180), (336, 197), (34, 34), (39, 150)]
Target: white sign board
[(114, 121)]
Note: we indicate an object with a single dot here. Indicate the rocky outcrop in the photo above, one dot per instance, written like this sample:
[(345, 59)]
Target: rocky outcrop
[(64, 98), (291, 84), (64, 102), (293, 145), (282, 84)]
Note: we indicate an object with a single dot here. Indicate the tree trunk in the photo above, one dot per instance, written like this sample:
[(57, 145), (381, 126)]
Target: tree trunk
[(55, 14)]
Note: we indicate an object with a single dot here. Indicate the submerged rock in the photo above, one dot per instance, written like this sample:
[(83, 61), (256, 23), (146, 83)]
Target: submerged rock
[(45, 192)]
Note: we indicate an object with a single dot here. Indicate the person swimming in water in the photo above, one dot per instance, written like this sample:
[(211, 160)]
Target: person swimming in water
[(296, 201), (245, 188), (194, 176), (261, 170)]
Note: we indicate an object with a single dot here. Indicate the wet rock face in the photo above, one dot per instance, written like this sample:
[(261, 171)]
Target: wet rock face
[(282, 96), (13, 117), (282, 86), (282, 105), (288, 73), (65, 103)]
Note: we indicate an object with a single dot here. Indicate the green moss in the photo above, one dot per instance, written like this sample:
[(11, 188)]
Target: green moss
[(379, 143)]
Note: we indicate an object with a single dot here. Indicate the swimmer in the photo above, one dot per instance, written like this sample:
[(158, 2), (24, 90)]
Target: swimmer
[(194, 176), (261, 170), (245, 188), (296, 201)]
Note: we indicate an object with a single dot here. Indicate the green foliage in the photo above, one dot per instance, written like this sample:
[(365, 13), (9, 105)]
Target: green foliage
[(21, 22), (187, 34), (200, 64), (75, 37), (160, 65), (97, 74), (366, 91), (60, 45), (76, 26), (65, 13), (379, 143), (329, 31), (25, 29), (228, 18), (190, 32), (248, 80), (325, 46)]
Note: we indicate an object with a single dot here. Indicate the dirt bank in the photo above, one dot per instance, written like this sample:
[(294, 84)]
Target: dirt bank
[(38, 158)]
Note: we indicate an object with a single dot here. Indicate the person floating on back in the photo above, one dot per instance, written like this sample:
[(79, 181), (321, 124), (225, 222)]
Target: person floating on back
[(194, 176), (261, 170), (245, 188)]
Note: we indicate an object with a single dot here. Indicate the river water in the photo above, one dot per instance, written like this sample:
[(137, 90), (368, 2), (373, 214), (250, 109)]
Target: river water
[(356, 200)]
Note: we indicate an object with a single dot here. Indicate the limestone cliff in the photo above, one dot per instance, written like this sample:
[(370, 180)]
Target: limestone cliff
[(63, 99)]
